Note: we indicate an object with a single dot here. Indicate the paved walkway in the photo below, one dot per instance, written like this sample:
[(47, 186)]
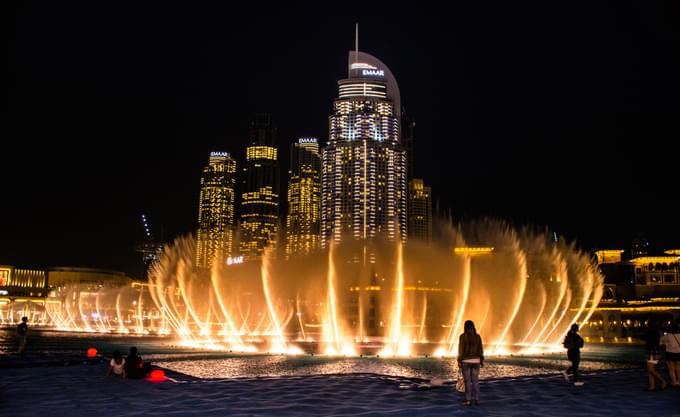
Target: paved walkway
[(81, 390)]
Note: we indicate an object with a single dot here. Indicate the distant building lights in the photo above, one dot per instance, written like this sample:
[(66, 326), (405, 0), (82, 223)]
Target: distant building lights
[(361, 65), (466, 250)]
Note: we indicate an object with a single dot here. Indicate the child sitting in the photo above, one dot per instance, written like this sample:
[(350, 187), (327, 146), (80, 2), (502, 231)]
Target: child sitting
[(117, 365)]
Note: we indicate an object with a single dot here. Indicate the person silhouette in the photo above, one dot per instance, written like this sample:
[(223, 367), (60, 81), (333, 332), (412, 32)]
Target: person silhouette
[(573, 343), (470, 360), (22, 335)]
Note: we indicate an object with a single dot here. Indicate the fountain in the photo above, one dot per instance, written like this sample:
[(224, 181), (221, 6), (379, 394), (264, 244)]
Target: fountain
[(521, 288)]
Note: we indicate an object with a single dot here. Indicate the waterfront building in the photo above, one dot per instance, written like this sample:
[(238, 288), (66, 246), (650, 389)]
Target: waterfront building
[(364, 164), (303, 223), (260, 193), (26, 291), (635, 289), (214, 241)]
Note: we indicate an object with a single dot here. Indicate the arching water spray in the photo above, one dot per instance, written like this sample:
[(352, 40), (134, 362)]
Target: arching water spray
[(467, 272), (522, 281)]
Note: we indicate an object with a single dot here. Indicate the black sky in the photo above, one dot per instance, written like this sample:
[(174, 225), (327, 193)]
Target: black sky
[(564, 115)]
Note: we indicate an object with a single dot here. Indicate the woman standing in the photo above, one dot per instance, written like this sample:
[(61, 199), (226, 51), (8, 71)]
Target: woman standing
[(672, 342), (470, 360), (652, 349)]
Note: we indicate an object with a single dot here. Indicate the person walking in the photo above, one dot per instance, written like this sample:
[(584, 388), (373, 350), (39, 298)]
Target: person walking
[(470, 360), (573, 342), (652, 348), (671, 341), (22, 334)]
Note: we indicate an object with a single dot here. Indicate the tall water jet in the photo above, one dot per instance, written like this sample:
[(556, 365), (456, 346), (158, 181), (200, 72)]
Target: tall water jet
[(538, 317), (423, 316), (230, 329), (522, 279), (467, 273), (561, 278), (332, 338), (279, 344), (398, 342)]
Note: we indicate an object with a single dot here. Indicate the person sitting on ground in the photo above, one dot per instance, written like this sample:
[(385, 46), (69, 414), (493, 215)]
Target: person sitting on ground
[(470, 360), (573, 342), (652, 348), (117, 365), (671, 341), (22, 334), (135, 367)]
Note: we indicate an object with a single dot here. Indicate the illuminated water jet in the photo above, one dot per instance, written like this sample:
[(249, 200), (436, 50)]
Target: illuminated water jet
[(522, 289)]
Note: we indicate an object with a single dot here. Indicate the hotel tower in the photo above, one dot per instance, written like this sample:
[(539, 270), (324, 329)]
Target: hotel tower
[(216, 210), (364, 164), (303, 223), (260, 195)]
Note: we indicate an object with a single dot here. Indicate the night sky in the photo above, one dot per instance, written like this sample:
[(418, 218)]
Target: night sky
[(555, 114)]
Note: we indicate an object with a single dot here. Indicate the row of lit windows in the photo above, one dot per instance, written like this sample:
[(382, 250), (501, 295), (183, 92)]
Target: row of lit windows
[(261, 152)]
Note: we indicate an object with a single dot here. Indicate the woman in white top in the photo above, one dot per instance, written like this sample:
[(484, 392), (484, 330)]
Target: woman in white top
[(117, 365), (672, 342)]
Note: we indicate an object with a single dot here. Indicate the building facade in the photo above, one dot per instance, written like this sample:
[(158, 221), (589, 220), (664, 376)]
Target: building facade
[(260, 194), (215, 234), (303, 223), (636, 289), (27, 292), (419, 210), (364, 164)]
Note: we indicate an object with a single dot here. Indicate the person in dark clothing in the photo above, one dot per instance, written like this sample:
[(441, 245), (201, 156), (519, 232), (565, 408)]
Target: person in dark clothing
[(135, 367), (573, 342), (470, 360), (653, 351), (22, 334)]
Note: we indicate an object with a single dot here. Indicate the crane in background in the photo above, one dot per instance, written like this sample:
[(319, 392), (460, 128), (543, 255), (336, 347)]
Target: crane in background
[(150, 249)]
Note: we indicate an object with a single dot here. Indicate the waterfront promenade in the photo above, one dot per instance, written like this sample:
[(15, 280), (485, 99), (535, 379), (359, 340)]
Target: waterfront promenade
[(51, 388)]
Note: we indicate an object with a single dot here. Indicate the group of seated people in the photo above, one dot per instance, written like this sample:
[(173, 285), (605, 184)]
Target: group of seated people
[(132, 367)]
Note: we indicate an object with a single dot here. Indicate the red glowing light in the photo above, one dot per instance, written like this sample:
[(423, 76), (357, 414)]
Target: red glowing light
[(157, 375), (91, 352)]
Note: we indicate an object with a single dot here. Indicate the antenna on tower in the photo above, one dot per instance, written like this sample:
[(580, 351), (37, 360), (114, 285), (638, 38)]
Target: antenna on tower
[(356, 43)]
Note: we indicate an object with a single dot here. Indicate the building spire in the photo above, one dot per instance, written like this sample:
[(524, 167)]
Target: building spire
[(356, 43)]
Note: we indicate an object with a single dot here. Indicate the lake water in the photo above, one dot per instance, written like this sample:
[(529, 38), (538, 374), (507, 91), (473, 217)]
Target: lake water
[(162, 352)]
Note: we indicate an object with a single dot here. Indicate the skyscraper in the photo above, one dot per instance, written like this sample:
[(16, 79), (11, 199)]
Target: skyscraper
[(364, 165), (407, 143), (150, 249), (303, 223), (260, 195), (214, 241), (419, 210)]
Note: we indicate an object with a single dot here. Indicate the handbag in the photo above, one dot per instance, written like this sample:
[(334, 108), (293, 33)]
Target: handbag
[(460, 383)]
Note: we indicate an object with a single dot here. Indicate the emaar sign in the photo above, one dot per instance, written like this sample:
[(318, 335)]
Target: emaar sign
[(378, 72)]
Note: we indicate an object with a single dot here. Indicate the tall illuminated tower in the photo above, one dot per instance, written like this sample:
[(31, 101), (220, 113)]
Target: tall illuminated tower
[(303, 223), (419, 210), (260, 194), (364, 164), (214, 241)]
